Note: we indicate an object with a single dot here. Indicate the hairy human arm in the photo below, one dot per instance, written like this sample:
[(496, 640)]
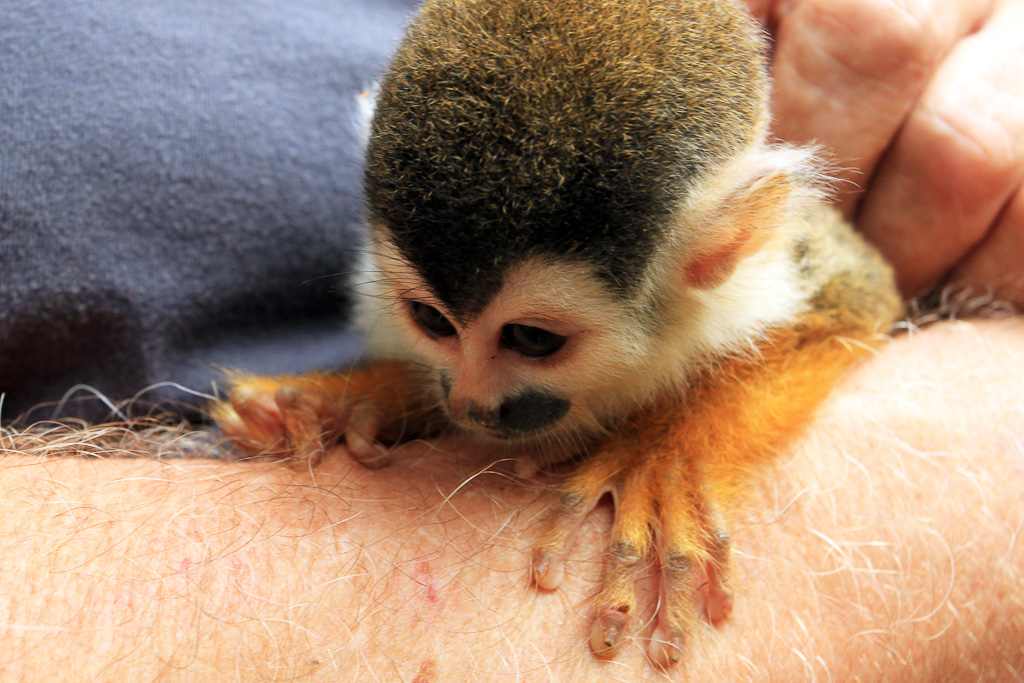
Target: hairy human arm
[(885, 548)]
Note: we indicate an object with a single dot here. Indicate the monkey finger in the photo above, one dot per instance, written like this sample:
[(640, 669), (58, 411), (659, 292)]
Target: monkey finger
[(680, 547), (956, 164), (675, 611), (847, 72), (303, 415), (547, 564), (628, 552), (580, 494), (364, 424), (251, 419), (616, 603), (717, 591)]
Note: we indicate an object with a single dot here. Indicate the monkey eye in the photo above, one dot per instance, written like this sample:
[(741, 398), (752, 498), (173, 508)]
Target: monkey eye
[(532, 342), (431, 320)]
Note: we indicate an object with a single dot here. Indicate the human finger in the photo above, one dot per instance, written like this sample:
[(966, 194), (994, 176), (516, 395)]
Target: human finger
[(997, 265)]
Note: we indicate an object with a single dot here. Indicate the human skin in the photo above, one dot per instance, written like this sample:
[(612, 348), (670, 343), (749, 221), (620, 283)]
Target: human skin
[(921, 105), (882, 547)]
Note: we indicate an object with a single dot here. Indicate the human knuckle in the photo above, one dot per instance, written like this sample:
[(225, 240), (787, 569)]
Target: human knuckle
[(904, 31), (879, 37), (986, 139)]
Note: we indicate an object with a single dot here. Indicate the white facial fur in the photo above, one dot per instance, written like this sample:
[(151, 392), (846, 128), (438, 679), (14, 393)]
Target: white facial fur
[(612, 362), (602, 344)]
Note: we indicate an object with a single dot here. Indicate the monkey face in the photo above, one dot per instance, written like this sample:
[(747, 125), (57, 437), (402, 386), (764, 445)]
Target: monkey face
[(539, 368), (528, 411)]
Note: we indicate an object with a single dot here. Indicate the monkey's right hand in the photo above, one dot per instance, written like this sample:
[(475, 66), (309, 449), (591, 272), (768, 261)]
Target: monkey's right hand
[(297, 416)]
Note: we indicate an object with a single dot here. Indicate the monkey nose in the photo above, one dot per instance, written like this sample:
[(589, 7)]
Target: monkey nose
[(488, 418), (524, 413)]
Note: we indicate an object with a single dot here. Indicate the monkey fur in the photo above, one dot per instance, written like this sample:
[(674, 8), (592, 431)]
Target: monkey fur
[(582, 241)]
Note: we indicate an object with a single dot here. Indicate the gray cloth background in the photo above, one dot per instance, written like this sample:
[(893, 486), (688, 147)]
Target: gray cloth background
[(179, 183)]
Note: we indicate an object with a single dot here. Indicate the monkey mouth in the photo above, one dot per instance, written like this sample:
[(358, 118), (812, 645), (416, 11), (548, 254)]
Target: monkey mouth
[(510, 438), (493, 430), (542, 446)]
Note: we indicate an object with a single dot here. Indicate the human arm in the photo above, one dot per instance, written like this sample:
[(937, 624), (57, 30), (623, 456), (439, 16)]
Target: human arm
[(885, 547)]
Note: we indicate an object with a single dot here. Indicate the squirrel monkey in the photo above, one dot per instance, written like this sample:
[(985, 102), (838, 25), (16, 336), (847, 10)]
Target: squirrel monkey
[(581, 241)]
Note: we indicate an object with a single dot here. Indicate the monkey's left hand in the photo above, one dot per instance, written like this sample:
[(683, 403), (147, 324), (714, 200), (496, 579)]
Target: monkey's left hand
[(665, 507), (676, 470)]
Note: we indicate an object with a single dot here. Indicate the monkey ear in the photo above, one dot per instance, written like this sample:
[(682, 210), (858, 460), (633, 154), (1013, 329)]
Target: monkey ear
[(739, 227)]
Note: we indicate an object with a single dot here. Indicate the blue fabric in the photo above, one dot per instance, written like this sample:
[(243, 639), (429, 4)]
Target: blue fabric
[(179, 182)]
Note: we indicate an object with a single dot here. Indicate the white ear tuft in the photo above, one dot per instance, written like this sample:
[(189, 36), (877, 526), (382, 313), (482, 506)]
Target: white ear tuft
[(738, 211)]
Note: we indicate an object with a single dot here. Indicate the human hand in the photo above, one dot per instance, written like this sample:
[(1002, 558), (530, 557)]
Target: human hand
[(922, 104)]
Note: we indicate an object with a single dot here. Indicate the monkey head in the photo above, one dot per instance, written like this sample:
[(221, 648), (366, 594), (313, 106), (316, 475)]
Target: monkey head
[(550, 187)]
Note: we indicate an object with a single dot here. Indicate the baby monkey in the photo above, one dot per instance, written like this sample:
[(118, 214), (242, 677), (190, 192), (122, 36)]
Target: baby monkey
[(581, 242)]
